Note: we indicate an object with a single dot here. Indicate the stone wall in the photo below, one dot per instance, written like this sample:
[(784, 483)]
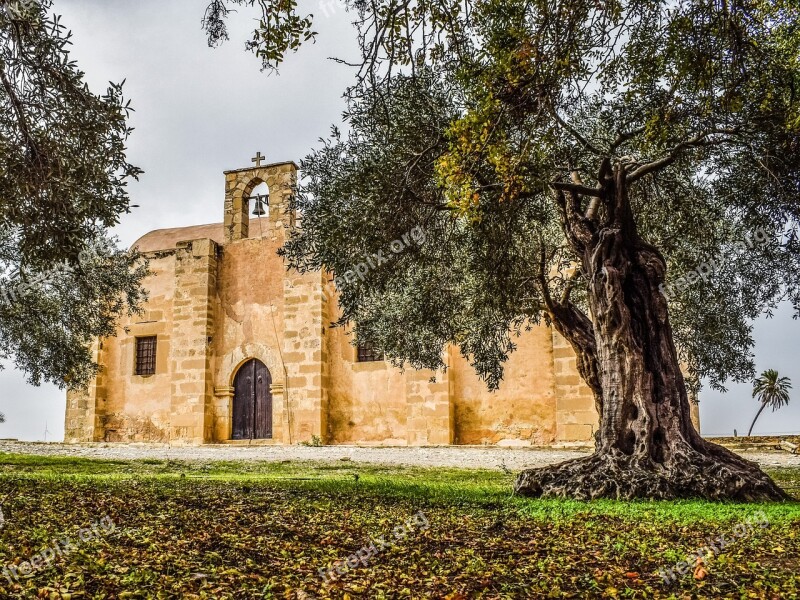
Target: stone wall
[(119, 405), (377, 404), (522, 411), (81, 413), (191, 358), (576, 415), (366, 400), (250, 324), (429, 405), (215, 306), (305, 356)]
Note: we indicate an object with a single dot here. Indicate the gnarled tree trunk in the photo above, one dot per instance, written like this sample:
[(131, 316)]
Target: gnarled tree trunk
[(647, 446)]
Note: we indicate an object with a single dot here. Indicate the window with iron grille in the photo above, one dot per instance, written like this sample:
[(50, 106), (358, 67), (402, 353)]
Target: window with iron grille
[(368, 353), (146, 355)]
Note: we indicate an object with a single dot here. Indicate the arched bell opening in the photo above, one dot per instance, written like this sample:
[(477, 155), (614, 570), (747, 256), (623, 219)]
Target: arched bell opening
[(259, 201)]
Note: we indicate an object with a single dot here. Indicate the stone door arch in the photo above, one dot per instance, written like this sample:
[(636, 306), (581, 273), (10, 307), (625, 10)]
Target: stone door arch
[(228, 366)]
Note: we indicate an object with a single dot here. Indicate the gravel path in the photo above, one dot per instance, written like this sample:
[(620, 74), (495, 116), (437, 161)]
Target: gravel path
[(447, 456)]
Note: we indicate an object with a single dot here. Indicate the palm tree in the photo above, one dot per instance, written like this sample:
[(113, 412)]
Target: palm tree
[(2, 418), (770, 390)]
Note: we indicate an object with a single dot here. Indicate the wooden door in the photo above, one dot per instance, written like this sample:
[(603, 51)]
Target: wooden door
[(252, 402), (262, 428)]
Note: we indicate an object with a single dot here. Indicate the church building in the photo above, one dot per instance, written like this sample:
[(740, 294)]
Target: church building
[(234, 348)]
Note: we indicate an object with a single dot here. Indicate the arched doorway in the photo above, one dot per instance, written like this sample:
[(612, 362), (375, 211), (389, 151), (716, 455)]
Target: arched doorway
[(252, 402)]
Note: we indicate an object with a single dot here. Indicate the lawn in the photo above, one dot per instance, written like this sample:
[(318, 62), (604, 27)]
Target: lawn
[(167, 529)]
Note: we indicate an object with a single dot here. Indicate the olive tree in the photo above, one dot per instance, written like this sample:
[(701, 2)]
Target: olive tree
[(63, 178), (626, 172)]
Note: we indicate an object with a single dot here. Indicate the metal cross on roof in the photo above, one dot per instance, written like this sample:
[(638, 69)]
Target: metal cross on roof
[(258, 158)]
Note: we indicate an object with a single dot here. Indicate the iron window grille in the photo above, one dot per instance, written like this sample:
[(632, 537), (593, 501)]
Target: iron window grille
[(368, 353), (146, 355)]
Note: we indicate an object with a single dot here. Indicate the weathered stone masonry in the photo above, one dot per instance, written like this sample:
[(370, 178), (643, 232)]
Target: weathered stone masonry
[(220, 296)]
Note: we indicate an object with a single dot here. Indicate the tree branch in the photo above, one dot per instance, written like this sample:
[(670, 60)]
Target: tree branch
[(576, 188), (624, 137), (576, 134), (574, 326), (701, 139), (18, 110), (570, 285)]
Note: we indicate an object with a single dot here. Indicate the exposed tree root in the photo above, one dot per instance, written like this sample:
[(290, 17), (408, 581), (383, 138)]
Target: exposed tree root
[(715, 474)]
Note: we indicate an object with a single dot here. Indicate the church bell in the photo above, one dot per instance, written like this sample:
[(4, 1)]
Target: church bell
[(258, 209)]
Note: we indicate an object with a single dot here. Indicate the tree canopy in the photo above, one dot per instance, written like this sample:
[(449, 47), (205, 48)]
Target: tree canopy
[(63, 178), (464, 118), (623, 170)]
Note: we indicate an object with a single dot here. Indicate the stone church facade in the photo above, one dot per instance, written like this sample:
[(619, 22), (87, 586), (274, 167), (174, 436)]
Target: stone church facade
[(234, 348)]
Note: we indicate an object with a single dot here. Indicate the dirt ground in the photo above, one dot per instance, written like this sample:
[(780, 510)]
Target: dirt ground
[(469, 457)]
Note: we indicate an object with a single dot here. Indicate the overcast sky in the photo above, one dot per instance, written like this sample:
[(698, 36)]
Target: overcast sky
[(201, 111)]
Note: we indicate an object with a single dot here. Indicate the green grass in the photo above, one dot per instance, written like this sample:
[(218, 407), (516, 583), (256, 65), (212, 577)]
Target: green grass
[(195, 529)]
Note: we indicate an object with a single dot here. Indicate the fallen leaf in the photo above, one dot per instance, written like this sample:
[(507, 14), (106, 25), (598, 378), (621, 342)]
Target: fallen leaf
[(700, 570)]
